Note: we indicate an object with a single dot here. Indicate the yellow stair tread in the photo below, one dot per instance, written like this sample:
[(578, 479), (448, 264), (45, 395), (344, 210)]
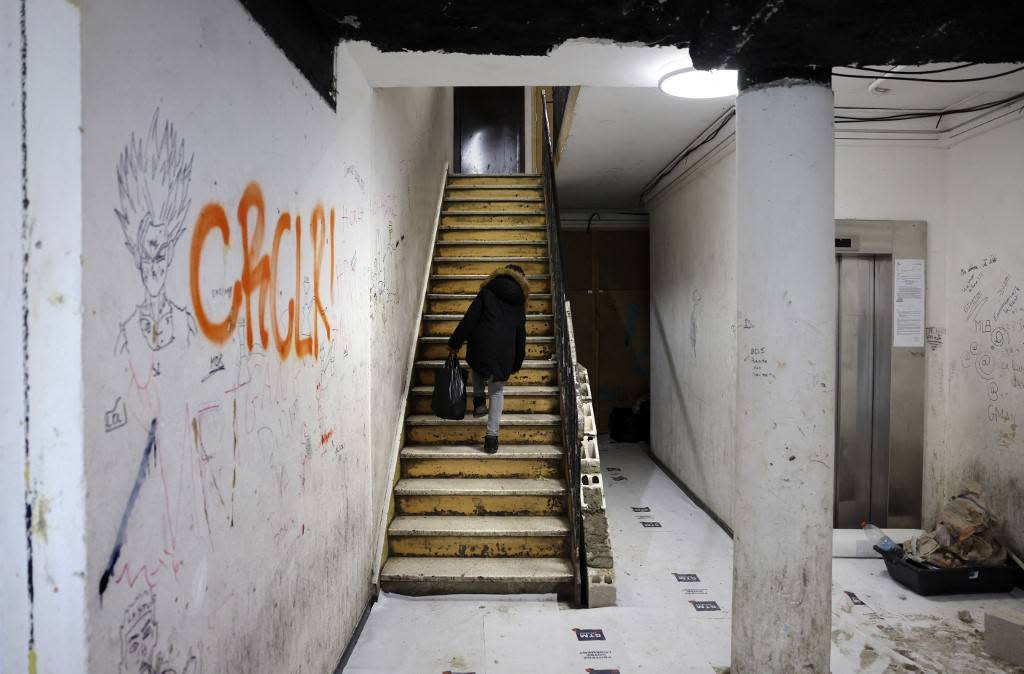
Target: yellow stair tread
[(524, 570), (448, 317), (513, 419), (488, 200), (479, 525), (492, 242), (479, 486), (480, 277), (462, 226), (510, 391), (441, 339), (527, 364), (476, 452)]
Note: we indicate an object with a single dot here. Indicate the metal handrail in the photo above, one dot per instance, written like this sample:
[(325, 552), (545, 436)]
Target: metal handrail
[(572, 423)]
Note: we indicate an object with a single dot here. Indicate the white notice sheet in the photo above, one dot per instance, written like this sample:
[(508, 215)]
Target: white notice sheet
[(908, 303)]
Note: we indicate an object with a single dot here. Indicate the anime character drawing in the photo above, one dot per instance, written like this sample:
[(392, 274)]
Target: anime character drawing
[(153, 178)]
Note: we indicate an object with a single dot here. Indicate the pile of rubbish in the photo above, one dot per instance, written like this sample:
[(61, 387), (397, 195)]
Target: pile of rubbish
[(963, 536)]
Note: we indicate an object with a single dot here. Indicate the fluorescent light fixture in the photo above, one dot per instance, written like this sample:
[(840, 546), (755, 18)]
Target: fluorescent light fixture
[(690, 83)]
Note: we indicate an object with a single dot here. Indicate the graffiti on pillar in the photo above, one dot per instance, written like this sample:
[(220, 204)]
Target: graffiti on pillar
[(154, 173)]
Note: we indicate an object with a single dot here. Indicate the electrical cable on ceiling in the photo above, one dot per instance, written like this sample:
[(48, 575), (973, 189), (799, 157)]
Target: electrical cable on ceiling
[(901, 78), (916, 72), (694, 145), (845, 119), (724, 119)]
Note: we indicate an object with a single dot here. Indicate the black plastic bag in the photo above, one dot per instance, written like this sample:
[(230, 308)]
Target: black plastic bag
[(449, 399)]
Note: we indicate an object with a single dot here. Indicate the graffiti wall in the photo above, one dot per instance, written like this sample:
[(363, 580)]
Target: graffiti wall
[(241, 240), (983, 344)]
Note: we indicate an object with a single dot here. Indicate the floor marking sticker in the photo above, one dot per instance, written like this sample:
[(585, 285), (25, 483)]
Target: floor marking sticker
[(686, 577), (641, 509), (705, 605), (651, 525), (588, 635)]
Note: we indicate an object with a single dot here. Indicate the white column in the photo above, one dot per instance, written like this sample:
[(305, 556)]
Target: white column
[(786, 287)]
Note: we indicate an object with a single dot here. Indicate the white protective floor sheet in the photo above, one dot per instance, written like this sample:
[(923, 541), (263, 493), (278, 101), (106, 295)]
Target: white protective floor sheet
[(674, 576)]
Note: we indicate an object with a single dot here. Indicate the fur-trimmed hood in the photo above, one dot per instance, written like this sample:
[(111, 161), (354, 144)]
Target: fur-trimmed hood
[(524, 285)]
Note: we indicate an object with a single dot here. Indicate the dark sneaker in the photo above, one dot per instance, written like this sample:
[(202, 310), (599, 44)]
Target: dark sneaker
[(479, 407), (490, 444)]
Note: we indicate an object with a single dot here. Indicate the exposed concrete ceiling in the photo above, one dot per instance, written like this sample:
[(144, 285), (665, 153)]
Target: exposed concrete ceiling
[(763, 38), (619, 138), (587, 62)]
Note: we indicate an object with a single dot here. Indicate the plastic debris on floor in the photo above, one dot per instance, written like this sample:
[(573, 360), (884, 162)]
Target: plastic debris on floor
[(674, 577)]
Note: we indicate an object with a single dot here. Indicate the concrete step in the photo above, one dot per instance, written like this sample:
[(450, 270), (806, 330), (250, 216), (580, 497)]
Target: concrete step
[(473, 265), (480, 496), (498, 191), (518, 399), (488, 536), (449, 217), (470, 283), (492, 180), (443, 325), (486, 525), (485, 232), (493, 207), (505, 198), (516, 429), (457, 303), (533, 373), (440, 575), (435, 347), (490, 249), (513, 461)]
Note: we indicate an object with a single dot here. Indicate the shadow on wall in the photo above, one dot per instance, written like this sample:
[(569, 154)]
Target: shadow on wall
[(681, 415)]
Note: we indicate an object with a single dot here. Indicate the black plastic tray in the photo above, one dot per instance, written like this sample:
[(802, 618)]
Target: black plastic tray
[(965, 580)]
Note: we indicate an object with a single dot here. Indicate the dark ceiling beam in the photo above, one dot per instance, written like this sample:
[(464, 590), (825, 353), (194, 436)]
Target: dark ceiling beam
[(764, 38)]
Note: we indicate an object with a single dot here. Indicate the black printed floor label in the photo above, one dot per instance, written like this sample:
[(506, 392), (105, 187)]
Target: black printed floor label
[(596, 655), (613, 470), (641, 509), (602, 671), (854, 598), (619, 478), (588, 634), (686, 577), (651, 525), (705, 605)]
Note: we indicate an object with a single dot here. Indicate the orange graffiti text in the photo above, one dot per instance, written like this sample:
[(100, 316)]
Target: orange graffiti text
[(258, 282)]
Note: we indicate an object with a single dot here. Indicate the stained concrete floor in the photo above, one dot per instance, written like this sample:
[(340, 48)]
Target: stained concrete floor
[(665, 574)]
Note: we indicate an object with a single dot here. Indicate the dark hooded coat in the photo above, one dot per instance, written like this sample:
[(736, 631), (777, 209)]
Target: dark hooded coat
[(495, 326)]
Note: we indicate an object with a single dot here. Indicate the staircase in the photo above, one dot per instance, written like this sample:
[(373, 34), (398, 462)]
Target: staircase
[(465, 521)]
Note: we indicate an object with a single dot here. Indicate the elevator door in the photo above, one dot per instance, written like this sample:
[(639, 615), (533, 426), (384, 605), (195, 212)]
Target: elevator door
[(864, 344)]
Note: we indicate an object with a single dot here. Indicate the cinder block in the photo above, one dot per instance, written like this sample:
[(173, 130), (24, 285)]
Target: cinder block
[(1004, 634), (600, 587)]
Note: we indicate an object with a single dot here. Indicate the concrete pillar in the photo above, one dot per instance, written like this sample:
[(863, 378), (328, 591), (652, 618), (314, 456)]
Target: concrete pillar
[(786, 287)]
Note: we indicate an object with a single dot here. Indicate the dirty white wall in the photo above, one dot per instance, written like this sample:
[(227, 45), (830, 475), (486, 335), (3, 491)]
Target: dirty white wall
[(42, 411), (14, 618), (984, 343), (693, 331), (412, 138), (229, 456), (693, 298)]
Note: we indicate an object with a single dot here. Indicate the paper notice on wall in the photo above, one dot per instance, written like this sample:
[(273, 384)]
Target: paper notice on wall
[(908, 303)]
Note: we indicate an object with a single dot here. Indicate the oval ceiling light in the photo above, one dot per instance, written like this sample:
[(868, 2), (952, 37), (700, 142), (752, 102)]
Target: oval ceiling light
[(691, 83)]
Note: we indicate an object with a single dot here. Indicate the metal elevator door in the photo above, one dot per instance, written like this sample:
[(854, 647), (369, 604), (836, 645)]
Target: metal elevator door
[(864, 348)]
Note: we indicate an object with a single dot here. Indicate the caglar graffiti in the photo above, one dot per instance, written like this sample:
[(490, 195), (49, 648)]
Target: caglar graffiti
[(259, 275)]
